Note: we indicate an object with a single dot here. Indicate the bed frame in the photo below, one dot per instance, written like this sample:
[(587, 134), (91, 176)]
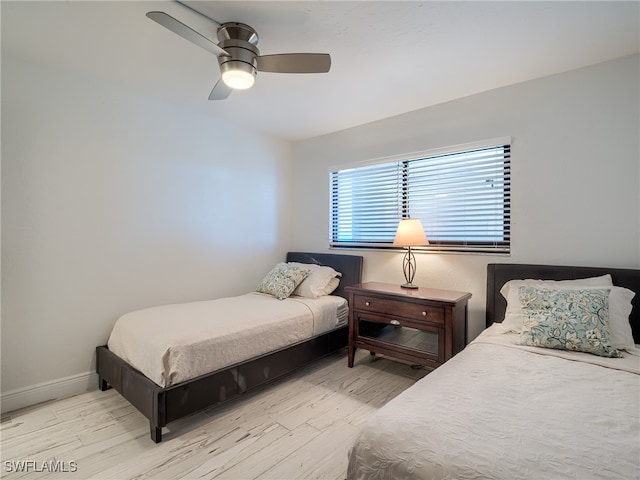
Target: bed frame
[(164, 405), (500, 273)]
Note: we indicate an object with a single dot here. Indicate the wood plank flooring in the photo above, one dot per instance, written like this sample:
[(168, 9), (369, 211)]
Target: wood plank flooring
[(300, 427)]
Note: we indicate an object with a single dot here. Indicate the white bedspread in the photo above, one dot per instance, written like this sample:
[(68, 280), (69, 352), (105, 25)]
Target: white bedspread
[(502, 411), (174, 343)]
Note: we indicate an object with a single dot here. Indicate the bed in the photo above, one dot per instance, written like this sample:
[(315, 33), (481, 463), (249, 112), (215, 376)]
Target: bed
[(504, 409), (194, 372)]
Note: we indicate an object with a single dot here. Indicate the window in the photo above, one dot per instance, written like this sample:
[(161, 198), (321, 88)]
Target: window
[(462, 196)]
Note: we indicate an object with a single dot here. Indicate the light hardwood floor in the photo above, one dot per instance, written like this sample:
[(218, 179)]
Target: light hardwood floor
[(296, 428)]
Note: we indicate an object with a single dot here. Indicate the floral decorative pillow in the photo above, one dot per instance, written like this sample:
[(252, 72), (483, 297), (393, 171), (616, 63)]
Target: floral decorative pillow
[(576, 320), (513, 315), (282, 280)]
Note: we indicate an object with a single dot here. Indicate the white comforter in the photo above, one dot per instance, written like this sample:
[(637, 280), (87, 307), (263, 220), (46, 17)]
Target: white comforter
[(502, 411), (174, 343)]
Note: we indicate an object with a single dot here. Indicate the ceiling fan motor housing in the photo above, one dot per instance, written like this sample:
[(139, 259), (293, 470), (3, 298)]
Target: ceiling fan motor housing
[(239, 40)]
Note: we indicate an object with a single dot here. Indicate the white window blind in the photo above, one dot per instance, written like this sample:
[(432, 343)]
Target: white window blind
[(462, 198)]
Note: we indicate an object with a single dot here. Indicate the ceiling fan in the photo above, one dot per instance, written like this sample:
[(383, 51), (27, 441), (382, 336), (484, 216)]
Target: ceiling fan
[(238, 54)]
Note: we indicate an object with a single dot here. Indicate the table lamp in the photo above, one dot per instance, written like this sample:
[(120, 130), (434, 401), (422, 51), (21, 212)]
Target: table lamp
[(410, 234)]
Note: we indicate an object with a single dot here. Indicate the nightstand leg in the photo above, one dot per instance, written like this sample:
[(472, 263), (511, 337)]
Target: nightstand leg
[(351, 353)]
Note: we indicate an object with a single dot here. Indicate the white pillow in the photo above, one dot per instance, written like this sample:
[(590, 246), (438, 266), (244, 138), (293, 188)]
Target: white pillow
[(321, 280), (620, 334), (331, 286), (513, 315)]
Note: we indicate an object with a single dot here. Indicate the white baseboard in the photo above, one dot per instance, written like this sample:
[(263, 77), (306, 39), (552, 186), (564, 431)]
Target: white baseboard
[(42, 392)]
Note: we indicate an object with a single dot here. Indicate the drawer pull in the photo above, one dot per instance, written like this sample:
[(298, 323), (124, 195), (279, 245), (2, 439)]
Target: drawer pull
[(424, 314), (394, 322), (368, 304)]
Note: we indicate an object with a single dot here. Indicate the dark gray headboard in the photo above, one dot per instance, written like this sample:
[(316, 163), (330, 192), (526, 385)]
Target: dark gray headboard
[(500, 273), (350, 266)]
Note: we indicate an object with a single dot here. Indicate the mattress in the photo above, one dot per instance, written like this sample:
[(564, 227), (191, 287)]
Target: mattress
[(174, 343), (503, 411)]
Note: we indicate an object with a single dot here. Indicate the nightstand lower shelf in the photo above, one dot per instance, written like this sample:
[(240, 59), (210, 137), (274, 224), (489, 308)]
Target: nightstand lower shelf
[(420, 340)]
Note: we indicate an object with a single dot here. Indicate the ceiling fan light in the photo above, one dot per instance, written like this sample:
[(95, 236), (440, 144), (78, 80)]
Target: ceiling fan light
[(238, 79), (238, 75)]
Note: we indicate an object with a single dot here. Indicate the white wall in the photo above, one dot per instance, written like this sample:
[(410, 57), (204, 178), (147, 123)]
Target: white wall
[(575, 174), (112, 201)]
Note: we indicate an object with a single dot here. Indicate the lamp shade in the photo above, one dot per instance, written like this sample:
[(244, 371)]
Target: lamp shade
[(410, 233)]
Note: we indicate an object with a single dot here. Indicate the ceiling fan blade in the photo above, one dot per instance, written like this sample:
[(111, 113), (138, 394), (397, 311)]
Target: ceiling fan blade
[(186, 32), (295, 63), (184, 4), (220, 91)]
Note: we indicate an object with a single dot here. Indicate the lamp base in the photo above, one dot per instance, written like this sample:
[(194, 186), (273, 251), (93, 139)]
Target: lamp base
[(409, 268)]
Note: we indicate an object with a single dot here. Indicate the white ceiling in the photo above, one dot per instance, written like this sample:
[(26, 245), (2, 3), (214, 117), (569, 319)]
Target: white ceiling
[(387, 57)]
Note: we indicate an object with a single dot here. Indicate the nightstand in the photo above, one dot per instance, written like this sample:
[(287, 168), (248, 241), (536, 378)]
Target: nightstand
[(425, 326)]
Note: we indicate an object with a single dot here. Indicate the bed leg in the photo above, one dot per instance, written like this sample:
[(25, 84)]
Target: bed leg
[(103, 385), (156, 433)]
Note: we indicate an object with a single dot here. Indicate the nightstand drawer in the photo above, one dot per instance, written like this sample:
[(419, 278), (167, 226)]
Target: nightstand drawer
[(398, 308)]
